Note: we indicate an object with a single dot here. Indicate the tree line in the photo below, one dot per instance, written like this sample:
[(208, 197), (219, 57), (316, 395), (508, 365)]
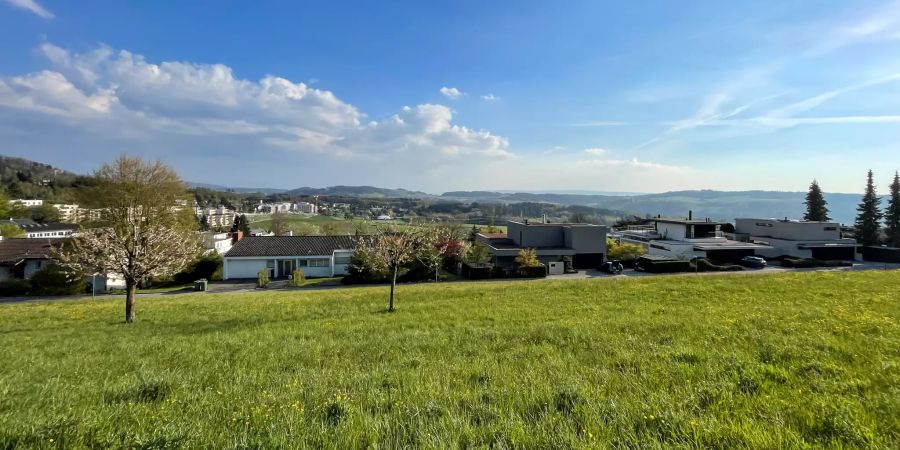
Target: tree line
[(871, 220)]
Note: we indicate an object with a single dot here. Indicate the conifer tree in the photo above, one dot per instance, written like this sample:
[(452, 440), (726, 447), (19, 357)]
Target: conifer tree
[(816, 206), (892, 214), (869, 217)]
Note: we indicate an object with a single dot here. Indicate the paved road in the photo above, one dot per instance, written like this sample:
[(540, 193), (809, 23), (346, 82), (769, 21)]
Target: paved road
[(249, 286)]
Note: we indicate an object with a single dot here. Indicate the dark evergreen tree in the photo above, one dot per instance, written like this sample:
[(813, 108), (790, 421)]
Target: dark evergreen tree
[(869, 217), (241, 224), (892, 214), (816, 206)]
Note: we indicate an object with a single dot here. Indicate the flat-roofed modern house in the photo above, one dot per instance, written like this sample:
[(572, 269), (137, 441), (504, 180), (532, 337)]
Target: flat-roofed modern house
[(688, 238), (801, 239), (316, 256), (584, 243)]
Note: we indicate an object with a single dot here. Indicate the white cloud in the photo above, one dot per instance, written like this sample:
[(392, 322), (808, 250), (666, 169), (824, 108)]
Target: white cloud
[(451, 92), (117, 100), (596, 151), (33, 6), (490, 97)]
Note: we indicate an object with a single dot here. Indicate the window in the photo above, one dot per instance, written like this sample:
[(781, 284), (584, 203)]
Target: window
[(270, 264), (302, 262), (342, 259), (321, 262), (830, 228)]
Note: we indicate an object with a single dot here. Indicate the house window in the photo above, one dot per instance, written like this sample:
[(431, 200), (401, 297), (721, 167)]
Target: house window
[(319, 262), (830, 228), (302, 262), (342, 259)]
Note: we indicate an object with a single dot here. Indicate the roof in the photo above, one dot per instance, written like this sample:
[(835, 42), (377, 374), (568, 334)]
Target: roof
[(291, 245), (15, 250), (555, 224), (494, 235), (689, 222), (52, 226)]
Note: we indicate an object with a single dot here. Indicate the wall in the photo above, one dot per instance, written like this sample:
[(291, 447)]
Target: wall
[(675, 250), (797, 231), (586, 239), (243, 268), (535, 235), (673, 231)]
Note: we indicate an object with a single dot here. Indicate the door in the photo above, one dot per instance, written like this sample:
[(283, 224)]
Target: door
[(286, 267)]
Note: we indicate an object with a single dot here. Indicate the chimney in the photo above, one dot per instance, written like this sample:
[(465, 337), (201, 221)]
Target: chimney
[(690, 215), (544, 217), (236, 236)]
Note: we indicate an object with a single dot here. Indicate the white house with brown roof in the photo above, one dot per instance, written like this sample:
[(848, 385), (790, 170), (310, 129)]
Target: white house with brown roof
[(316, 256)]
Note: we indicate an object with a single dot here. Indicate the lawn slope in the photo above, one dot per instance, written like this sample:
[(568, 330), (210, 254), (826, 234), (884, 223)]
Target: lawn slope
[(782, 361)]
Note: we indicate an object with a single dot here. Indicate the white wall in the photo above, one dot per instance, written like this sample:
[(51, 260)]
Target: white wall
[(674, 231), (243, 268)]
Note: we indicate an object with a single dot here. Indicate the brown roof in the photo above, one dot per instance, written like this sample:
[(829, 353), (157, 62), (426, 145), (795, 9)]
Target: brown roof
[(14, 250), (291, 245)]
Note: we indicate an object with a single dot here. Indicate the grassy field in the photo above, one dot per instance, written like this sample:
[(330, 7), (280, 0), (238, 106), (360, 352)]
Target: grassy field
[(781, 361)]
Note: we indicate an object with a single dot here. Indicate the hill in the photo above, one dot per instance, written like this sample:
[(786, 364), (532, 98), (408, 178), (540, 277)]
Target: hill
[(719, 205), (22, 178), (803, 360), (358, 191)]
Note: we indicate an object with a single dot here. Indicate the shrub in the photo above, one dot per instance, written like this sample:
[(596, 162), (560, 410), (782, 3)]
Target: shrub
[(665, 265), (207, 267), (539, 271), (475, 271), (297, 278), (12, 288), (262, 278), (527, 258), (623, 251), (55, 280), (705, 265)]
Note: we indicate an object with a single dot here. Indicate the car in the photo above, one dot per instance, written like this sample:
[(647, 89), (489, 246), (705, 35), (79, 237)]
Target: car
[(754, 261)]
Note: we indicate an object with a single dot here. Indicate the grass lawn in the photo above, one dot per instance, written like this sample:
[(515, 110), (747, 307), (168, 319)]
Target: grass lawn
[(779, 361)]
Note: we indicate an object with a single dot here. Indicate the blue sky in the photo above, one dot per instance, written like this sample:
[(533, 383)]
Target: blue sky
[(607, 96)]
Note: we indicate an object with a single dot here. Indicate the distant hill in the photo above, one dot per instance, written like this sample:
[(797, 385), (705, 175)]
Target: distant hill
[(22, 178), (719, 205), (358, 191), (242, 190)]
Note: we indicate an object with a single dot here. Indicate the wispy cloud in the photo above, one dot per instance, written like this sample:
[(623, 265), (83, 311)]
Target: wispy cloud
[(33, 6), (490, 97), (451, 92), (872, 25), (596, 151)]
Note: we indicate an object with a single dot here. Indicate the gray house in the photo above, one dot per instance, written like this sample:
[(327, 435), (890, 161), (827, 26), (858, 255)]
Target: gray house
[(316, 256), (584, 243)]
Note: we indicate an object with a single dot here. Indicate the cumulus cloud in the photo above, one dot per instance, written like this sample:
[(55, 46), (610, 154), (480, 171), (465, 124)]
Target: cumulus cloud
[(451, 92), (596, 151), (33, 6), (119, 92)]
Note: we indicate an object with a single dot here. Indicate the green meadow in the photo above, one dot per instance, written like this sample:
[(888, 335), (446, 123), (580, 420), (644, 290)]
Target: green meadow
[(804, 360)]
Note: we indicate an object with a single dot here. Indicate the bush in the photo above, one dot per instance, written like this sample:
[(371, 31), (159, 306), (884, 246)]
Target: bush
[(664, 265), (206, 267), (476, 271), (262, 278), (808, 263), (527, 257), (55, 280), (532, 272), (15, 287), (297, 278)]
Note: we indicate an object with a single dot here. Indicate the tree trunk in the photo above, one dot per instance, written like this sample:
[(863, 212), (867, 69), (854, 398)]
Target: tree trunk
[(131, 289), (393, 283)]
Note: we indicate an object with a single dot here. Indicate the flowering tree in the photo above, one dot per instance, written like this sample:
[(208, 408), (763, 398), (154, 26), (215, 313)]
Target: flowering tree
[(141, 233), (387, 249), (437, 245)]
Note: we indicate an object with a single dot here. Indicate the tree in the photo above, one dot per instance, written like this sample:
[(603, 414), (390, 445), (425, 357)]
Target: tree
[(478, 254), (527, 257), (892, 214), (623, 251), (9, 230), (203, 223), (388, 249), (816, 206), (578, 217), (4, 205), (278, 224), (241, 224), (869, 217), (141, 233), (437, 245)]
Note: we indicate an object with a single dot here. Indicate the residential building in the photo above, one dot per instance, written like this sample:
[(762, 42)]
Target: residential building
[(801, 239), (21, 258), (218, 243), (28, 203), (68, 212), (689, 238), (220, 217), (316, 256), (52, 230), (584, 243), (306, 208)]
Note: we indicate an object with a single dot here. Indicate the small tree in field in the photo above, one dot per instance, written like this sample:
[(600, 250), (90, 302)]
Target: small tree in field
[(141, 233), (816, 206), (388, 249), (437, 244)]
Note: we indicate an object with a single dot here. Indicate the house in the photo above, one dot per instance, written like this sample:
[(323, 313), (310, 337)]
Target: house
[(220, 217), (306, 208), (68, 212), (801, 239), (28, 203), (584, 243), (216, 243), (316, 256), (21, 258), (689, 238), (52, 230)]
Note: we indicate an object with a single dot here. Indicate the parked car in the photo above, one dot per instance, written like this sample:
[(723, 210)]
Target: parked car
[(754, 261)]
